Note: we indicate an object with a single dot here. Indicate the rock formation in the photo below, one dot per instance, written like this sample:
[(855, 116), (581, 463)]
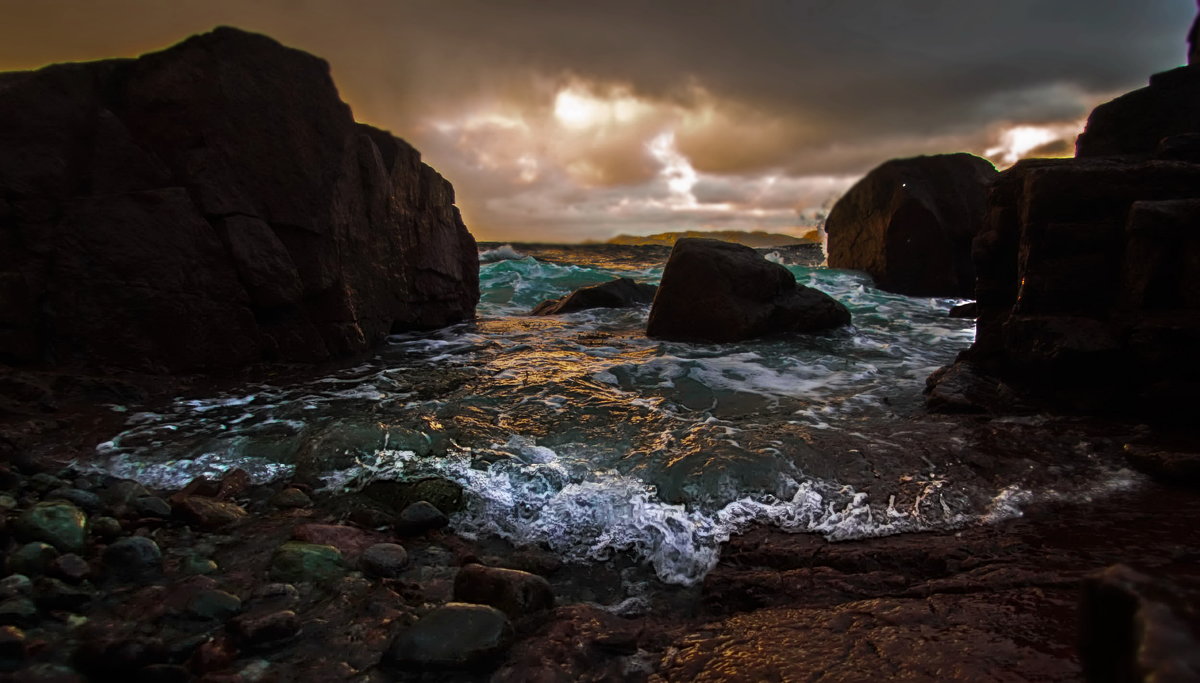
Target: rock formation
[(619, 293), (909, 224), (723, 292), (1089, 268), (212, 205)]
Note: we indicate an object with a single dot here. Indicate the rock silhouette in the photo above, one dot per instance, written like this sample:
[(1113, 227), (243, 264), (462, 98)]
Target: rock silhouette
[(212, 205)]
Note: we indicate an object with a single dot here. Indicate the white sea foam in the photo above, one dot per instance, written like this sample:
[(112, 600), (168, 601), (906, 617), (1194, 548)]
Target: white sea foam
[(501, 253), (586, 515)]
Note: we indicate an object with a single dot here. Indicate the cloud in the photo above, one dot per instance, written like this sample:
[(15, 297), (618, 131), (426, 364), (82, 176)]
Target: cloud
[(546, 115)]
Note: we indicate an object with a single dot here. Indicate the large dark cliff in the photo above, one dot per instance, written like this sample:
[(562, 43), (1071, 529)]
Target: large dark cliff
[(213, 205)]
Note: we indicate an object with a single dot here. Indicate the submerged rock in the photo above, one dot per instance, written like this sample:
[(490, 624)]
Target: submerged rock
[(212, 205), (723, 292), (909, 224), (622, 292), (453, 635)]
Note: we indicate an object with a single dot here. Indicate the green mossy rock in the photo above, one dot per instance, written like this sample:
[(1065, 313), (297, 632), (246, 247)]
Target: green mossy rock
[(56, 522), (296, 562)]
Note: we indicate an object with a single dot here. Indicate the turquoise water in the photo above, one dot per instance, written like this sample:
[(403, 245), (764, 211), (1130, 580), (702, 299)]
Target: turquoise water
[(579, 434)]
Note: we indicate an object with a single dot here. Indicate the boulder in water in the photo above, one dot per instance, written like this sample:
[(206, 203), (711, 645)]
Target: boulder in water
[(213, 205), (909, 224), (722, 292), (622, 292)]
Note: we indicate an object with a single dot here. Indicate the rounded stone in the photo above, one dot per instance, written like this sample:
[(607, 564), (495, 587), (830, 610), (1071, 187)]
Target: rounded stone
[(12, 648), (18, 611), (15, 585), (83, 499), (420, 517), (152, 506), (295, 562), (56, 522), (105, 527), (194, 565), (133, 558), (216, 605), (71, 568), (291, 497), (453, 635), (384, 560), (515, 592), (32, 559)]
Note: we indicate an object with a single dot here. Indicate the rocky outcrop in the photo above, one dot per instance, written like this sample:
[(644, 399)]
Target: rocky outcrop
[(1139, 122), (722, 292), (1089, 285), (212, 205), (909, 224), (619, 293)]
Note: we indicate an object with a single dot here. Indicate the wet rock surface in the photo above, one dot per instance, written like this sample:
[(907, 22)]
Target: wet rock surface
[(990, 602), (910, 222), (620, 293), (720, 292)]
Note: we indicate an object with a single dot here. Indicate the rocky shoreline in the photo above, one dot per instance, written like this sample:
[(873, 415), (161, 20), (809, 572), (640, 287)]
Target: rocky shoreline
[(227, 581)]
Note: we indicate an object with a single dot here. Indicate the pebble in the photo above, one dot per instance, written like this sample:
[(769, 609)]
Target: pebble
[(84, 499), (15, 585), (420, 517), (276, 596), (134, 558), (207, 513), (7, 502), (18, 611), (291, 497), (43, 482), (123, 492), (105, 527), (55, 595), (57, 522), (152, 506), (384, 560), (13, 651), (194, 565), (32, 559), (215, 605), (259, 630), (71, 568)]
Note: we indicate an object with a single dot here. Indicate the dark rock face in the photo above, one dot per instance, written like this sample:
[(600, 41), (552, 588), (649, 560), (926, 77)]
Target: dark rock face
[(723, 292), (1137, 122), (909, 224), (620, 293), (1132, 629), (1089, 285), (212, 205)]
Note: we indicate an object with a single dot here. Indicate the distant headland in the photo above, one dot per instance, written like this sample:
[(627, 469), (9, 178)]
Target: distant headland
[(757, 238)]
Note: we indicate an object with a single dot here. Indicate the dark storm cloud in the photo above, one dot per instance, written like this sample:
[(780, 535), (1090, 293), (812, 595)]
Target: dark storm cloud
[(810, 91)]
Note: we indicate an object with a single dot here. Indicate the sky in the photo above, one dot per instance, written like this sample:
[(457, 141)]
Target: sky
[(565, 120)]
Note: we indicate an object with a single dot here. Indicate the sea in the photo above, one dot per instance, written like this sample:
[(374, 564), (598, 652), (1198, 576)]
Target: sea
[(578, 435)]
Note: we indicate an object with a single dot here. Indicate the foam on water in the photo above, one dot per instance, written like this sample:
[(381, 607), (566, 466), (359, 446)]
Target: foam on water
[(589, 515), (579, 433)]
